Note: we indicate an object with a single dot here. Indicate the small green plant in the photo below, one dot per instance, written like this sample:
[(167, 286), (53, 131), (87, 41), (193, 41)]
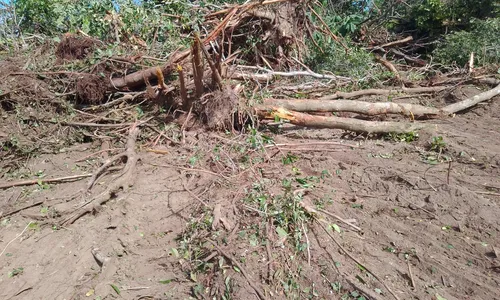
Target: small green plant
[(15, 272), (228, 283), (438, 144), (402, 137), (289, 159)]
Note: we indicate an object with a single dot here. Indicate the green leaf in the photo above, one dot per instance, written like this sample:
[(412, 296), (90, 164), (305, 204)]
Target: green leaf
[(281, 232), (336, 227), (438, 297), (166, 281), (378, 291), (236, 269), (174, 252), (117, 290)]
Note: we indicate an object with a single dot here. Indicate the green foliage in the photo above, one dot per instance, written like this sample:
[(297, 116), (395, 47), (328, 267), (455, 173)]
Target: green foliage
[(433, 17), (37, 15), (98, 18), (483, 40), (437, 144), (332, 57)]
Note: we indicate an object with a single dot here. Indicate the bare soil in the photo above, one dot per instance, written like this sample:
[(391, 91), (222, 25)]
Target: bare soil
[(427, 230)]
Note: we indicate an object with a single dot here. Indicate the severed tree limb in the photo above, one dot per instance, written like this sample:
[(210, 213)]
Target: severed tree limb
[(389, 66), (394, 43), (123, 182), (355, 125), (270, 75), (456, 107), (355, 94), (361, 107)]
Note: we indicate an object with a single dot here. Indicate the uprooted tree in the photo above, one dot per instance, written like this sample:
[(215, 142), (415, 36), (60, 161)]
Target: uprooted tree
[(231, 66)]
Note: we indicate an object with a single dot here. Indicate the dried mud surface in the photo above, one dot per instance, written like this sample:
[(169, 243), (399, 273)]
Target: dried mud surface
[(435, 227)]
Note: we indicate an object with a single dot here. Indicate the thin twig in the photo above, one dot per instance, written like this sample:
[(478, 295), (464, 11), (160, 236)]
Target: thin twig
[(448, 175), (95, 153), (242, 270), (41, 181), (308, 245), (189, 169), (487, 193), (21, 209), (269, 253), (311, 144), (1, 253), (410, 273), (194, 195), (355, 260), (340, 219)]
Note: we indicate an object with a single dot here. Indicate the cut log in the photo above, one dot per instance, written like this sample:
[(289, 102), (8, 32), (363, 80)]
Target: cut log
[(355, 125), (467, 103), (366, 108), (355, 94)]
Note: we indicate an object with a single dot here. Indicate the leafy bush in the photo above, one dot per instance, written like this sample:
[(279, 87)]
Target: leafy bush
[(483, 40), (356, 63)]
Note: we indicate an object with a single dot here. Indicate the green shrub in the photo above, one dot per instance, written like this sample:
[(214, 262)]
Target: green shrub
[(483, 40), (356, 63)]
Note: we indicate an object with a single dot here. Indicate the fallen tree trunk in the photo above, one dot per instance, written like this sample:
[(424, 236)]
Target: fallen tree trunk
[(366, 108), (355, 125), (350, 95)]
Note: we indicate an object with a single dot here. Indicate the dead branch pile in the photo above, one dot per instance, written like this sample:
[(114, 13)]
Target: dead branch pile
[(209, 74)]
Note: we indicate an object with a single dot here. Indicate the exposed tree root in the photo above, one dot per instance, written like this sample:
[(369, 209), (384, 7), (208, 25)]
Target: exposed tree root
[(124, 181)]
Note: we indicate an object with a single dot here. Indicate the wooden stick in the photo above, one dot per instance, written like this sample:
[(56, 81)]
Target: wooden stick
[(311, 144), (394, 43), (21, 209), (340, 219), (17, 236), (389, 66), (41, 181), (410, 273)]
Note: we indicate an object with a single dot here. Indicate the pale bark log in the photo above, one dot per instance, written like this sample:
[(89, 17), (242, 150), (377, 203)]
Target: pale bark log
[(467, 103), (350, 95), (355, 125), (366, 108)]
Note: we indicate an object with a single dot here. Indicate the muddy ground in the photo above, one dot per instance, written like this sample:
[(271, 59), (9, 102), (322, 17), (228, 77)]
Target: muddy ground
[(423, 224)]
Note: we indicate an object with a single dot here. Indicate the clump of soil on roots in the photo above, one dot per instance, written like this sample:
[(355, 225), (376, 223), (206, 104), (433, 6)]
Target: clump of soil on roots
[(90, 89), (74, 47), (218, 112)]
